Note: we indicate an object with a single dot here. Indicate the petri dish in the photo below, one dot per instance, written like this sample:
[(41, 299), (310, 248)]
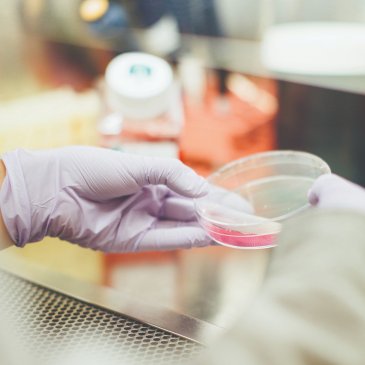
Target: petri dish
[(251, 197)]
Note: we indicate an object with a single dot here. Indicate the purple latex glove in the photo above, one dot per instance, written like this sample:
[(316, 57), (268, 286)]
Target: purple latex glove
[(101, 199), (334, 192)]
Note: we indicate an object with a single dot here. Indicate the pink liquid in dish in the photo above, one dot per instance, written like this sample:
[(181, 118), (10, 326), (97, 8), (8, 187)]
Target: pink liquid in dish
[(239, 239)]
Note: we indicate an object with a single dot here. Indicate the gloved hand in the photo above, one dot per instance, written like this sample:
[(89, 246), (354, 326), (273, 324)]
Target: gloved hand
[(332, 191), (101, 199)]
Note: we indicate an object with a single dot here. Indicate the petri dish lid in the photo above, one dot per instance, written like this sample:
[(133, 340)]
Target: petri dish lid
[(253, 195)]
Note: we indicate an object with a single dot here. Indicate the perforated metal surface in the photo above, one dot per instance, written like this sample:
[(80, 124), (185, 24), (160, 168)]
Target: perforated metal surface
[(51, 324)]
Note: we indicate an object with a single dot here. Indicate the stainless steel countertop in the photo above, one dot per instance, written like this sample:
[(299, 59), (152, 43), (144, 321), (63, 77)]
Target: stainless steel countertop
[(196, 294)]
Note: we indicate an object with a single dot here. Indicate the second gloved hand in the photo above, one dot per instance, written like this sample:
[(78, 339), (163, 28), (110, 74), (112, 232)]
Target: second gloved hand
[(333, 192), (102, 199)]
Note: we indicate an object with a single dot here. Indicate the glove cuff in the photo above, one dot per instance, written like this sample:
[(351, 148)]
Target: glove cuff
[(14, 201)]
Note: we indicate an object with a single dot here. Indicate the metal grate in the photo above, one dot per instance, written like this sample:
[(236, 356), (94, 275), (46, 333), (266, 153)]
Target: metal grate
[(51, 324)]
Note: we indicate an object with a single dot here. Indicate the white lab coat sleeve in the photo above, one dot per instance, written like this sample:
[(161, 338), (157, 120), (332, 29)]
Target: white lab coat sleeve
[(311, 308)]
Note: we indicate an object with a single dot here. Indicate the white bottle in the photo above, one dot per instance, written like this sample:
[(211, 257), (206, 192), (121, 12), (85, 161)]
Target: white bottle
[(144, 100)]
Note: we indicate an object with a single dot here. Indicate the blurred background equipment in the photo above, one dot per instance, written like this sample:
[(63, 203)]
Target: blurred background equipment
[(143, 111), (93, 10), (315, 48)]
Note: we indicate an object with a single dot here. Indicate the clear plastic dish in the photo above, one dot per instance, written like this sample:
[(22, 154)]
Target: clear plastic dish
[(251, 197)]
